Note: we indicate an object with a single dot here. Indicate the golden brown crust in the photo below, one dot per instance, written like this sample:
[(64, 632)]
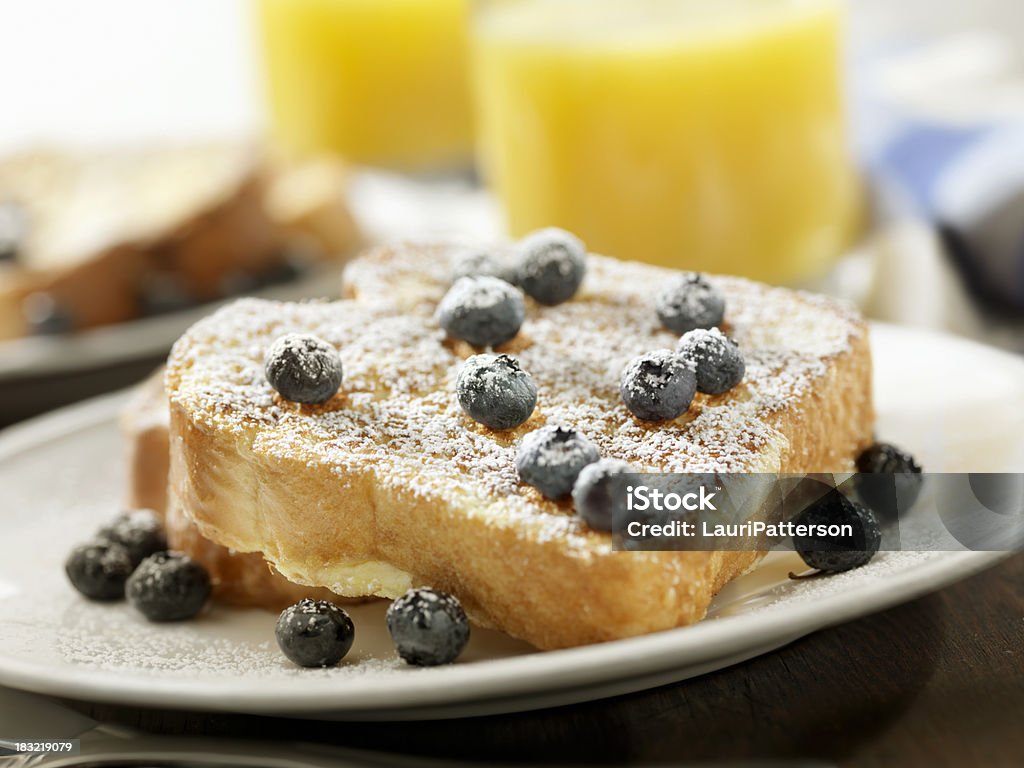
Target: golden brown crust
[(389, 486)]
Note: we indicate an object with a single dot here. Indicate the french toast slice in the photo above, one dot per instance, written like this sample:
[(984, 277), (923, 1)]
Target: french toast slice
[(389, 485)]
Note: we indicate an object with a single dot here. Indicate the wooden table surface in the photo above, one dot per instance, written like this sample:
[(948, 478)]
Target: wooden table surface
[(939, 681)]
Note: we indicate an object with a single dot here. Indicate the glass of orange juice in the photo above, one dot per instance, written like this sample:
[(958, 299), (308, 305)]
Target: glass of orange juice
[(379, 82), (705, 134)]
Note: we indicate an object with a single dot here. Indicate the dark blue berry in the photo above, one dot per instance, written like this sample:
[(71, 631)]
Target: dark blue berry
[(163, 293), (600, 493), (428, 627), (550, 459), (483, 311), (887, 496), (168, 586), (13, 230), (657, 386), (315, 633), (495, 391), (303, 368), (140, 532), (45, 316), (715, 358), (484, 263), (238, 282), (835, 553), (690, 302), (552, 263), (289, 268), (99, 570)]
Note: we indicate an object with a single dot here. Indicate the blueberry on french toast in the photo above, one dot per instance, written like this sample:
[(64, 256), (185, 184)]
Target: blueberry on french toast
[(495, 391), (550, 459), (657, 386), (482, 311), (715, 358), (552, 263), (303, 368), (690, 301)]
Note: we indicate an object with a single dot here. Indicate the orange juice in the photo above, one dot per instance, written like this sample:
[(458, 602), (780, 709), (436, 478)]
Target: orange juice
[(707, 134), (381, 82)]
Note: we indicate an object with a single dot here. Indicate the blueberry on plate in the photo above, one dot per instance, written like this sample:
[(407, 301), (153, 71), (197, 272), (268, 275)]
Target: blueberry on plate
[(552, 263), (168, 586), (139, 531), (315, 633), (428, 627), (482, 311), (690, 302), (99, 569), (824, 546), (550, 459), (715, 358), (484, 263), (888, 496), (495, 391), (600, 493), (303, 368), (657, 386)]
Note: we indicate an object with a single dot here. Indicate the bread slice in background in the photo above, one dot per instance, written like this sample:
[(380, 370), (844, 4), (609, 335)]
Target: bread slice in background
[(105, 230)]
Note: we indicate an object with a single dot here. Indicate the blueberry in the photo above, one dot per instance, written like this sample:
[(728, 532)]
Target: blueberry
[(483, 311), (13, 230), (163, 293), (139, 532), (552, 263), (495, 391), (315, 633), (484, 263), (168, 586), (886, 498), (657, 386), (690, 302), (550, 459), (303, 368), (600, 493), (290, 267), (832, 553), (45, 316), (238, 282), (428, 627), (715, 358), (99, 569)]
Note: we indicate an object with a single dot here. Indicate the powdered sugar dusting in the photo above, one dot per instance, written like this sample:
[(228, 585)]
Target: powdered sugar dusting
[(397, 411)]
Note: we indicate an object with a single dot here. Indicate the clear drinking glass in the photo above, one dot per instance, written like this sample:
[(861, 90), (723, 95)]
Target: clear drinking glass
[(703, 134), (379, 82)]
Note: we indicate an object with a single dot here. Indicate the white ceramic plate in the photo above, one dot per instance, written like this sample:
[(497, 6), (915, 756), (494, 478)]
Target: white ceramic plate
[(62, 475)]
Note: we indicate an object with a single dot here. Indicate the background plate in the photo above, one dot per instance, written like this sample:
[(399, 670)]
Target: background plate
[(62, 475)]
